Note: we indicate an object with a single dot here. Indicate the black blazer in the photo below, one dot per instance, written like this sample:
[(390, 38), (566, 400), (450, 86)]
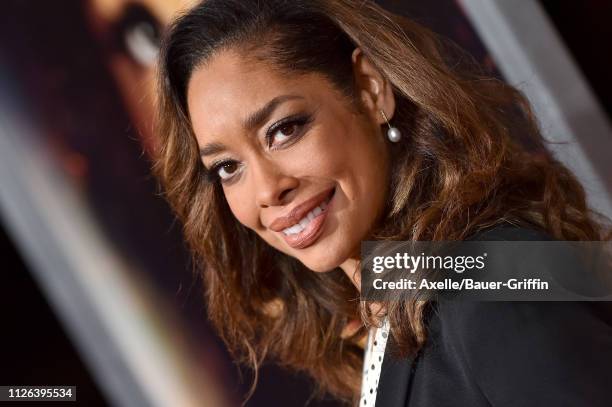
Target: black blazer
[(506, 354)]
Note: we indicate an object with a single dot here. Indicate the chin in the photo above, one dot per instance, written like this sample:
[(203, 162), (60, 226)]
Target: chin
[(323, 263), (320, 267)]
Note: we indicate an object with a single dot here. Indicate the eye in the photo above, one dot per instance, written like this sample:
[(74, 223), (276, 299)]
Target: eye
[(287, 130), (227, 170), (283, 133), (224, 171), (138, 34), (141, 41)]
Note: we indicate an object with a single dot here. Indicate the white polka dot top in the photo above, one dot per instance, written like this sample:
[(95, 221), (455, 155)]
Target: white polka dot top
[(374, 354)]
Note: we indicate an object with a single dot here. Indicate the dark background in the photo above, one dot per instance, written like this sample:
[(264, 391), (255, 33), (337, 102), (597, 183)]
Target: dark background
[(35, 349)]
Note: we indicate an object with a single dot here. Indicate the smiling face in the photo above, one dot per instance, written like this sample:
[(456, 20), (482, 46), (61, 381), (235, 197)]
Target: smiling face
[(298, 164)]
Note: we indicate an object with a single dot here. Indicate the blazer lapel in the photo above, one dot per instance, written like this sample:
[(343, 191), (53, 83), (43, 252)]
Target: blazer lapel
[(395, 377)]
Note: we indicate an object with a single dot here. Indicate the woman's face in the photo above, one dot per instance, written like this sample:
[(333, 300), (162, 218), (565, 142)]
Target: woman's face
[(297, 164)]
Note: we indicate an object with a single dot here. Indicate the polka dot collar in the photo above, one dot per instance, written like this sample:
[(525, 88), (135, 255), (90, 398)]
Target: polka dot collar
[(373, 358)]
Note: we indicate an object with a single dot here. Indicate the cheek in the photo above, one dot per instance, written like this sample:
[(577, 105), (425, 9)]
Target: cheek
[(360, 162), (239, 202), (326, 155)]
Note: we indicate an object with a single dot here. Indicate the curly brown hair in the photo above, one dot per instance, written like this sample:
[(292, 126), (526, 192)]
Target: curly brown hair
[(474, 158)]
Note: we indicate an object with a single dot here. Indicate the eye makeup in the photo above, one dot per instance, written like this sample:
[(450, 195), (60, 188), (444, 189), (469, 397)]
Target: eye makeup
[(300, 121), (212, 174)]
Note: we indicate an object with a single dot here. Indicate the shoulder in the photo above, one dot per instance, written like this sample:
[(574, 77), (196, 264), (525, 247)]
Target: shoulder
[(533, 350), (472, 320), (512, 322), (529, 353)]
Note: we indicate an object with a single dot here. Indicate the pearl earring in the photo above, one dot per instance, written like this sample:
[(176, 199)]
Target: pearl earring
[(393, 134)]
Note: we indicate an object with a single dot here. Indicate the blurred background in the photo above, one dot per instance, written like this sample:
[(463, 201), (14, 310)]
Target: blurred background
[(97, 289)]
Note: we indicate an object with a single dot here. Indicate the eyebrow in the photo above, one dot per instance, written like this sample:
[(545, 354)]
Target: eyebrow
[(252, 121), (211, 149), (257, 118)]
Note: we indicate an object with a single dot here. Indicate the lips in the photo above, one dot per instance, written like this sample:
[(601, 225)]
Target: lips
[(303, 224), (298, 212)]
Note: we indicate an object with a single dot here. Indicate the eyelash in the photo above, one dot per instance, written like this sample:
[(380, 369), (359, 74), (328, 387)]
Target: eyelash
[(296, 120), (212, 174), (300, 121)]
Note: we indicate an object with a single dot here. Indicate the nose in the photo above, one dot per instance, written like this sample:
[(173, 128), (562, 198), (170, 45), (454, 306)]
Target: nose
[(272, 186)]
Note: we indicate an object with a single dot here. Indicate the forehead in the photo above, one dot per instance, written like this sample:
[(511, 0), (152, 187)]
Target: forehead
[(230, 86)]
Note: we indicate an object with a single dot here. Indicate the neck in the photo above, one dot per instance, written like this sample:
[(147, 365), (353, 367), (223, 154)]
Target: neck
[(351, 268)]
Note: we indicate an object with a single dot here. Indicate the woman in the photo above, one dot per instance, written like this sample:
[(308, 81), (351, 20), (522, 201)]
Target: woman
[(290, 131)]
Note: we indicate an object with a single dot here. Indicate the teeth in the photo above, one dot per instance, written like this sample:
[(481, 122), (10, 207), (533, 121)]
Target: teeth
[(294, 229), (305, 221)]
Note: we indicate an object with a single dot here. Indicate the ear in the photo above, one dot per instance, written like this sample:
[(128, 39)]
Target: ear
[(374, 90)]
